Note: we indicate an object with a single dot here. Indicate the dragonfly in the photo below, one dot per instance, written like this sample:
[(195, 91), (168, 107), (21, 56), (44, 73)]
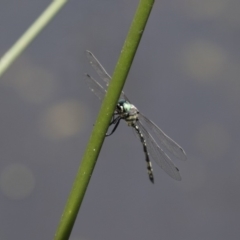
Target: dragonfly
[(156, 144)]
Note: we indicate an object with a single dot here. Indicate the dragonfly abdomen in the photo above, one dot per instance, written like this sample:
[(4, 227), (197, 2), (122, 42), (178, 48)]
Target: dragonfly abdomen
[(143, 141)]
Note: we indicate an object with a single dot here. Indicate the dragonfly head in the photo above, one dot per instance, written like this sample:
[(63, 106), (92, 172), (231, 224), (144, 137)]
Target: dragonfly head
[(123, 106), (127, 110)]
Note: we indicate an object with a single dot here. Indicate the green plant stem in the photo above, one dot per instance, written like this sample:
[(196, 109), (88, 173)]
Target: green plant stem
[(108, 106), (12, 54)]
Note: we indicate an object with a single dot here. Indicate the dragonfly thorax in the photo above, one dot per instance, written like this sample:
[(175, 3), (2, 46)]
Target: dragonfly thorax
[(127, 111)]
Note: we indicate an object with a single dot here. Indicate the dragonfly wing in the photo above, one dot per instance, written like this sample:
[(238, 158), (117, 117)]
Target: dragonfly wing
[(159, 156), (95, 87), (102, 73), (98, 67), (164, 139)]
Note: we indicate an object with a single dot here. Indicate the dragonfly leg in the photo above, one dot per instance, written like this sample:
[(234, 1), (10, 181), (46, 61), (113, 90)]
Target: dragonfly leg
[(114, 119), (115, 122)]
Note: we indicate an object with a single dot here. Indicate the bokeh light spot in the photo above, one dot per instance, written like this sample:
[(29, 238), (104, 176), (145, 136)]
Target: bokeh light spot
[(63, 120), (34, 83), (203, 61), (17, 181)]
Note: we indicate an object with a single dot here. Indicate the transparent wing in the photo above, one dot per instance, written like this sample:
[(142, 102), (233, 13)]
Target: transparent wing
[(159, 156), (164, 139), (95, 87), (102, 73)]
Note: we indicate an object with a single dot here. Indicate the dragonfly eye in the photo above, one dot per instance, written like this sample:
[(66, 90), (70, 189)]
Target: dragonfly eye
[(119, 108)]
